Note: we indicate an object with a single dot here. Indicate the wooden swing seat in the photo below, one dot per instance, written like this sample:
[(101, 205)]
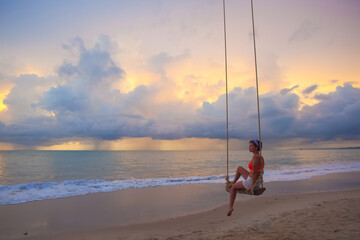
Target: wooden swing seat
[(258, 188)]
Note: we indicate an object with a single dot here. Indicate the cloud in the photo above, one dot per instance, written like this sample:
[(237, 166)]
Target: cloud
[(61, 99), (304, 32), (335, 116), (287, 90), (86, 91), (81, 103), (159, 61), (310, 89), (22, 99), (271, 71), (278, 112)]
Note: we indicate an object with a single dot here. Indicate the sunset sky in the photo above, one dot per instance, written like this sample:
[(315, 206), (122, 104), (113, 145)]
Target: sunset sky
[(149, 74)]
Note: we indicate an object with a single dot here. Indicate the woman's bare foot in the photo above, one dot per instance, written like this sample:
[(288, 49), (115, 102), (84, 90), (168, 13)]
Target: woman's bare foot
[(230, 212)]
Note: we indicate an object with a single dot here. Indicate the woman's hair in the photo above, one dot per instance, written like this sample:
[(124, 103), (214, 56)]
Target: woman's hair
[(256, 143)]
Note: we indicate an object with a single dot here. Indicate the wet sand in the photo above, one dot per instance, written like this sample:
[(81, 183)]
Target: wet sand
[(316, 208)]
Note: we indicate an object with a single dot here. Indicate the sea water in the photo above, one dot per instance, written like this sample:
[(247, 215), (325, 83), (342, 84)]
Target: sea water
[(37, 175)]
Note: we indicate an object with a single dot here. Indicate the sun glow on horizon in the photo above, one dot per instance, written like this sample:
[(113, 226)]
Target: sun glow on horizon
[(139, 144), (185, 144), (70, 145)]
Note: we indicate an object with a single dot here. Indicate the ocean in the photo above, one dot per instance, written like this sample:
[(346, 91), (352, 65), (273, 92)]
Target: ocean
[(37, 175)]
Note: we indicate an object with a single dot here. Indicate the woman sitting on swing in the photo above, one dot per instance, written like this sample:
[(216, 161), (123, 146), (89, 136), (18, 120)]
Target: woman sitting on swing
[(255, 166)]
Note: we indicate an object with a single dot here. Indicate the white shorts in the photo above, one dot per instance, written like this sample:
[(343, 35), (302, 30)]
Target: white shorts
[(247, 183)]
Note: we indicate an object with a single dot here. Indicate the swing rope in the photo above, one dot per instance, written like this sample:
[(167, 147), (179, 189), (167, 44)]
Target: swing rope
[(256, 72), (227, 105), (260, 179)]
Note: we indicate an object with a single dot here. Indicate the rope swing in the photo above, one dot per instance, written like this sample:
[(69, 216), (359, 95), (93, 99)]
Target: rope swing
[(254, 190), (256, 72), (227, 104)]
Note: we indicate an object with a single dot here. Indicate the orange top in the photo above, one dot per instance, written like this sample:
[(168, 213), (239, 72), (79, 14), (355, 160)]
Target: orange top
[(251, 167)]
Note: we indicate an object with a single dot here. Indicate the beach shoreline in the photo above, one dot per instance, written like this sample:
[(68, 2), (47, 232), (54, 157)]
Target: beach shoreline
[(179, 212)]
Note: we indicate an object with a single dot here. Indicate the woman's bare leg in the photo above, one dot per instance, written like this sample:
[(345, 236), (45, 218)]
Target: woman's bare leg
[(233, 192), (240, 171)]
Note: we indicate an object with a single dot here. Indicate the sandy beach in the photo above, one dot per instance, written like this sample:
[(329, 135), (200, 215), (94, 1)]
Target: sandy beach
[(322, 207)]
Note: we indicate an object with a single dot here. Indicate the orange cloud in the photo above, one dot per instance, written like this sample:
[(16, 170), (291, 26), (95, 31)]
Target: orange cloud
[(3, 107)]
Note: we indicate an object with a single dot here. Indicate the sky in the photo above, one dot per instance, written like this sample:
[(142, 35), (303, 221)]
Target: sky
[(150, 74)]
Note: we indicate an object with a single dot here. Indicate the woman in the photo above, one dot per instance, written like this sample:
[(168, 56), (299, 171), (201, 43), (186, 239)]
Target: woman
[(255, 166)]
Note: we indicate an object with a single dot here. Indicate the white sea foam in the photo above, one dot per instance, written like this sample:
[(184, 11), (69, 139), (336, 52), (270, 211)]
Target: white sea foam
[(13, 194), (292, 173)]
